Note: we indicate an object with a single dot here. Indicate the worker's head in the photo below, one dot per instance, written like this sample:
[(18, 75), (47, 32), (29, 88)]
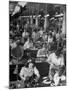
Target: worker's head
[(30, 65)]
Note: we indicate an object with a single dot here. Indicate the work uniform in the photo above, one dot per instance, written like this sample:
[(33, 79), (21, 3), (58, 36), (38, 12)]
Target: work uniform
[(27, 73), (56, 66)]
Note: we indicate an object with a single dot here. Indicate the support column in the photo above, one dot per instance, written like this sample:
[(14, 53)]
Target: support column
[(31, 20), (36, 21), (45, 22), (64, 24)]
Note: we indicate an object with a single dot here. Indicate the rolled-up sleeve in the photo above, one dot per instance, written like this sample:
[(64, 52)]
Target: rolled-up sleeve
[(36, 72), (22, 74)]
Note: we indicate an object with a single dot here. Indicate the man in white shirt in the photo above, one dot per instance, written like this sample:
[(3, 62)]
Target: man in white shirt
[(13, 45), (28, 71), (41, 32), (42, 52), (44, 37), (50, 39), (25, 34), (56, 62), (28, 44)]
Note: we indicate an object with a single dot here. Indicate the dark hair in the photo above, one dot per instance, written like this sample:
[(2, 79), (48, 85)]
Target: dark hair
[(27, 64), (32, 61), (58, 51)]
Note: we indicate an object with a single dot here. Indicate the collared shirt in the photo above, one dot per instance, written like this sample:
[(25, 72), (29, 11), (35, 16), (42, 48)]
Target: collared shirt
[(28, 45), (50, 40), (13, 45), (41, 52), (35, 36), (28, 72), (57, 36), (41, 33), (44, 37), (52, 59), (25, 34)]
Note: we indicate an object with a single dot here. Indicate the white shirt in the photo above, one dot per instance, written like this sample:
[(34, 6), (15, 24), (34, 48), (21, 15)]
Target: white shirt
[(27, 72), (25, 34), (44, 37), (33, 35), (28, 45), (50, 40), (52, 59), (57, 36), (13, 45), (41, 33), (41, 52)]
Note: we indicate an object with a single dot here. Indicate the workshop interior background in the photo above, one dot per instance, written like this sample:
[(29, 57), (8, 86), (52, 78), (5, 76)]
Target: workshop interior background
[(37, 44)]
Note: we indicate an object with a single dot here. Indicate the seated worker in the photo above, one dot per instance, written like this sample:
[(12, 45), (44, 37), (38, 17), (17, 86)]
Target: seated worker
[(28, 73), (45, 37), (50, 38), (35, 35), (13, 45), (42, 52), (56, 61), (41, 32), (25, 34), (28, 44)]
